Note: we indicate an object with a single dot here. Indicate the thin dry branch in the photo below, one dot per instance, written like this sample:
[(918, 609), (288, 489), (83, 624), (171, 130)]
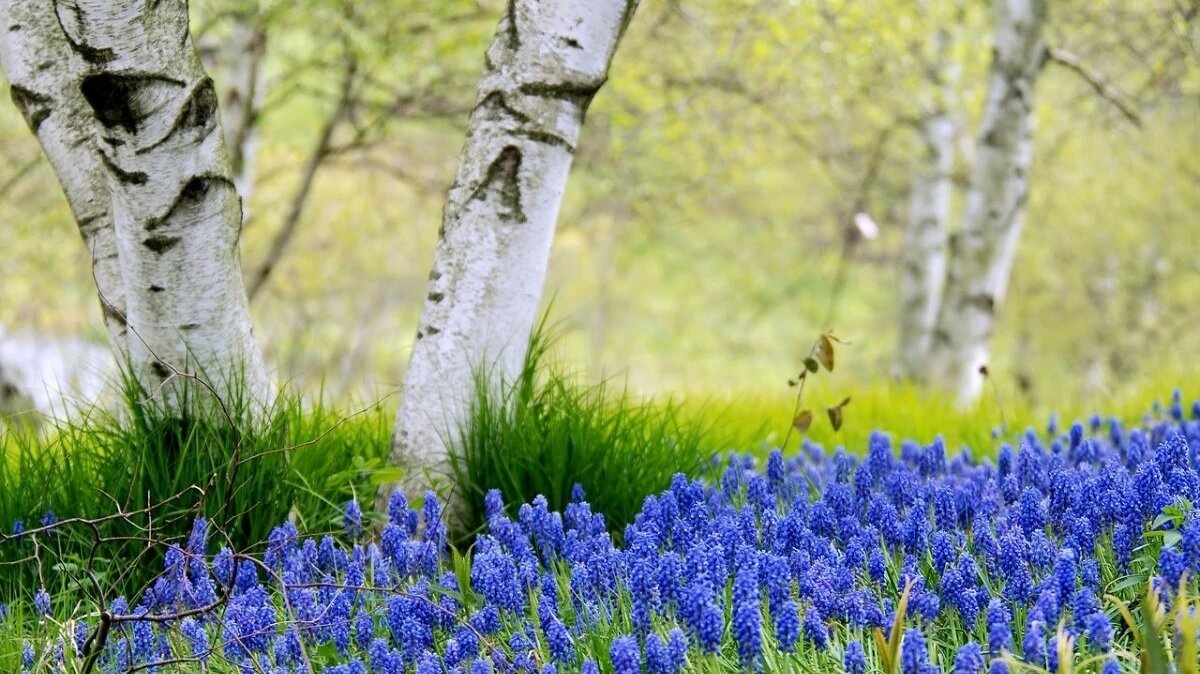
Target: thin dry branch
[(1097, 82)]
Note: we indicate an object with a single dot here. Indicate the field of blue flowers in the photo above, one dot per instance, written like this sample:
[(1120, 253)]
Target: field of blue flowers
[(1077, 550)]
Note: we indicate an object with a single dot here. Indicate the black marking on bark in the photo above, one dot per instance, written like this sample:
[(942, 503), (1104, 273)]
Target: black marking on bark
[(435, 297), (87, 222), (73, 33), (110, 313), (128, 177), (512, 34), (984, 301), (14, 27), (419, 335), (126, 100), (190, 196), (190, 326), (495, 106), (156, 289), (568, 41), (505, 172), (434, 275), (577, 93), (546, 138), (34, 107), (198, 113), (161, 244), (430, 330), (159, 369)]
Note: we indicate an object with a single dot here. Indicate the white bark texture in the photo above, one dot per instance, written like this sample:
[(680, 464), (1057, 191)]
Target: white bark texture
[(924, 272), (44, 76), (981, 254), (547, 61), (243, 59), (176, 212)]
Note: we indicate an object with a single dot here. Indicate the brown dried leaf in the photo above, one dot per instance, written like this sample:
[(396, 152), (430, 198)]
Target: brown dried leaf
[(803, 421), (824, 352), (835, 417)]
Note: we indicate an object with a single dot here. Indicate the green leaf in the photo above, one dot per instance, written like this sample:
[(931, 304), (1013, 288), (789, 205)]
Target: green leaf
[(803, 421), (811, 364), (382, 476)]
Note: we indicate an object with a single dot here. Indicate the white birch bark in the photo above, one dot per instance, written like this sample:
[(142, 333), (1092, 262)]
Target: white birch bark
[(244, 61), (547, 61), (176, 212), (924, 265), (44, 76), (981, 254)]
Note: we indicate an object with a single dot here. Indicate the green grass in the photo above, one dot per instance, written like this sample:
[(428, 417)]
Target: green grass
[(547, 431), (295, 460), (540, 436), (908, 412)]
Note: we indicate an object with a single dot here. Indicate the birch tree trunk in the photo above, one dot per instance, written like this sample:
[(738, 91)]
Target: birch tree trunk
[(244, 60), (546, 63), (44, 75), (981, 254), (175, 209), (924, 272)]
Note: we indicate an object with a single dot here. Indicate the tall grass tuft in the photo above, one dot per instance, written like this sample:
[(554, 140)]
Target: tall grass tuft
[(547, 431), (245, 472)]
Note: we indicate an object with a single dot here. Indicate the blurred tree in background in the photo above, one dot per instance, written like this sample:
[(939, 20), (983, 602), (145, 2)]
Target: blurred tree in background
[(708, 229)]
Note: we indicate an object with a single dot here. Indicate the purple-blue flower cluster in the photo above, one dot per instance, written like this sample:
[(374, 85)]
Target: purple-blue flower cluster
[(804, 559)]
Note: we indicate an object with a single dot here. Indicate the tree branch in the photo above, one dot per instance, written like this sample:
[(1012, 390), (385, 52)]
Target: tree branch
[(1097, 82)]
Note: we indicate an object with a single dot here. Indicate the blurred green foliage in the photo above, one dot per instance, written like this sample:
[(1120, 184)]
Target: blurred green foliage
[(704, 220)]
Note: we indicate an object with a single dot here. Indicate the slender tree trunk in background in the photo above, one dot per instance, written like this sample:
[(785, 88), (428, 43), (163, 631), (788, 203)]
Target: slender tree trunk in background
[(243, 59), (981, 254), (320, 152), (175, 209), (924, 265), (547, 61), (44, 76)]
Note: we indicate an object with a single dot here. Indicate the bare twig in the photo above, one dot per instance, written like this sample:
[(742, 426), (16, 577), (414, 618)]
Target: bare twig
[(1097, 82)]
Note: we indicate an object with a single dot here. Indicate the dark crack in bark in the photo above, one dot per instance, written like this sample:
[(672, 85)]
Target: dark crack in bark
[(579, 94), (34, 107), (546, 138), (198, 114), (161, 244), (126, 100), (73, 23), (190, 198), (504, 176), (495, 106), (127, 177), (512, 35)]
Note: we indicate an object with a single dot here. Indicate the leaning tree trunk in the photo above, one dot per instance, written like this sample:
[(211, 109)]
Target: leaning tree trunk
[(44, 76), (981, 254), (547, 61), (176, 212), (924, 265)]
